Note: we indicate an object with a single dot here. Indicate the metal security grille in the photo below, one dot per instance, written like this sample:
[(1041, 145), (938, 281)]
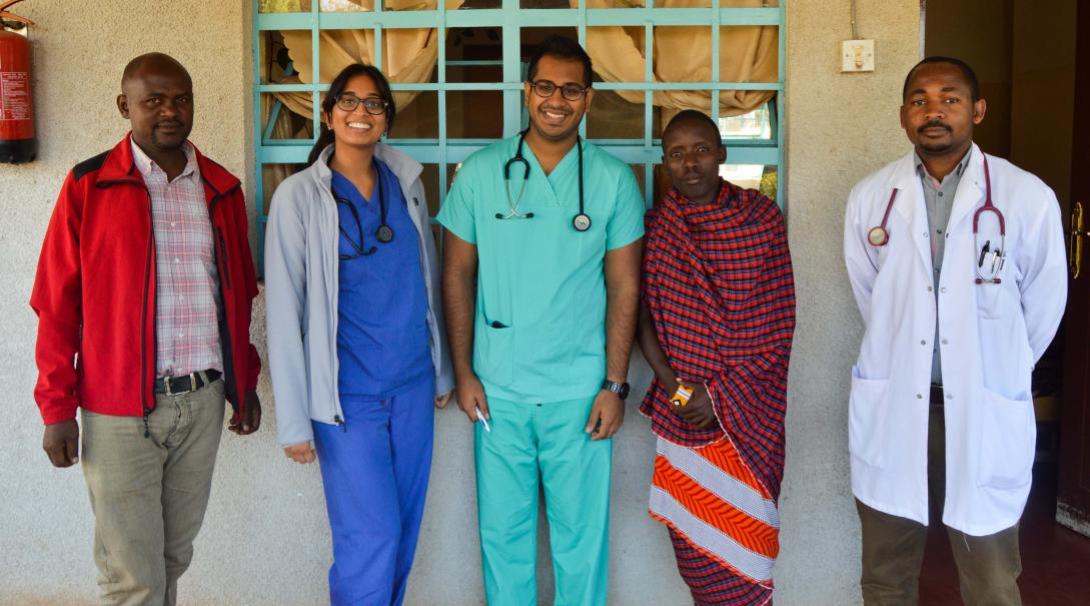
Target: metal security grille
[(757, 139)]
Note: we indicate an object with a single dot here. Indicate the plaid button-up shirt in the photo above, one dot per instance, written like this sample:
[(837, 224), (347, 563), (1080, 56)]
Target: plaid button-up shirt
[(187, 292)]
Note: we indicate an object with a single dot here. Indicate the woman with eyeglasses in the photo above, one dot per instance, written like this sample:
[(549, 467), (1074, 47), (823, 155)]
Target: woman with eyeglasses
[(357, 348)]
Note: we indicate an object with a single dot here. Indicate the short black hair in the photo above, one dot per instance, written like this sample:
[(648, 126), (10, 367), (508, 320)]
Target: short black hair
[(692, 115), (966, 72), (561, 48)]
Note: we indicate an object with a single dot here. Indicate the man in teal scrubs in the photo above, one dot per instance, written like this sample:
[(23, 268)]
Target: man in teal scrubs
[(541, 287)]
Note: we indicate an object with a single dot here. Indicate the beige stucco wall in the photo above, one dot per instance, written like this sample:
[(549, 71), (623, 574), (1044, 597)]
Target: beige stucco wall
[(265, 539)]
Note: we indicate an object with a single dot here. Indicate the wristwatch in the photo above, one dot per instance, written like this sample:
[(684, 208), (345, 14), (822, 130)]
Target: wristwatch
[(621, 389)]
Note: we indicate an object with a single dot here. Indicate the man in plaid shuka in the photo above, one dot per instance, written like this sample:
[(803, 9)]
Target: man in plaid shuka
[(716, 321)]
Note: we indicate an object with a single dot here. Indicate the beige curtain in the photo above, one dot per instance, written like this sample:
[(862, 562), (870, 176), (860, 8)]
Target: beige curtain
[(682, 54), (408, 55)]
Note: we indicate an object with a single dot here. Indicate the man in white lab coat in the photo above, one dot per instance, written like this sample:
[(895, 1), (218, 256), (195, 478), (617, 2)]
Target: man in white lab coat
[(957, 264)]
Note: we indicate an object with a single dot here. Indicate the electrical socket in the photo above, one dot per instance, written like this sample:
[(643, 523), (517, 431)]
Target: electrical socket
[(857, 56)]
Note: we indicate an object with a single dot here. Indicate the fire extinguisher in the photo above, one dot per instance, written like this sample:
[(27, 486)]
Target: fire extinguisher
[(17, 140)]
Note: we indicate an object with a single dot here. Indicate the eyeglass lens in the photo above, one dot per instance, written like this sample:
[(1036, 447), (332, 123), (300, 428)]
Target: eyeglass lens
[(571, 92), (375, 107)]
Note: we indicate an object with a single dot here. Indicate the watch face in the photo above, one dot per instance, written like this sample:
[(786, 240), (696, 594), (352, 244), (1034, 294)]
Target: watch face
[(623, 391)]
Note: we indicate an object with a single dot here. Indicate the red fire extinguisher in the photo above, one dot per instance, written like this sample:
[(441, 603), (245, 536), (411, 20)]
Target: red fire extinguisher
[(17, 140)]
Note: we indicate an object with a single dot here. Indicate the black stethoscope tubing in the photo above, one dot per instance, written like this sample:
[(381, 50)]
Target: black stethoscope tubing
[(581, 221), (384, 233)]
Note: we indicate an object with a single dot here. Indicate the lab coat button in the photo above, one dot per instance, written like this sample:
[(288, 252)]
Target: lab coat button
[(945, 342), (923, 342), (919, 396), (943, 289), (949, 396), (929, 289)]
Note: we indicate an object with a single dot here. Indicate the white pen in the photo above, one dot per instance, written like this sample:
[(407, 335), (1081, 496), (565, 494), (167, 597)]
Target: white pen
[(481, 418)]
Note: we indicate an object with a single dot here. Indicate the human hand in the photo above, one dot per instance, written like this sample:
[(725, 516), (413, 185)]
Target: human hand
[(699, 412), (442, 400), (470, 394), (251, 416), (61, 443), (606, 415), (302, 452)]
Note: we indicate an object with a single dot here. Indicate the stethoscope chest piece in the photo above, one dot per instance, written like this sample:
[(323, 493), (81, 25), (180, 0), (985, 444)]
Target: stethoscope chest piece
[(384, 233), (581, 222), (878, 236)]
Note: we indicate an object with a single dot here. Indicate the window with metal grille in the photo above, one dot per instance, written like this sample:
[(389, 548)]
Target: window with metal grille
[(457, 69)]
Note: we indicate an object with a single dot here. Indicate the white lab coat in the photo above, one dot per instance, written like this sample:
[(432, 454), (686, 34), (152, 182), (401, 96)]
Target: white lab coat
[(990, 335)]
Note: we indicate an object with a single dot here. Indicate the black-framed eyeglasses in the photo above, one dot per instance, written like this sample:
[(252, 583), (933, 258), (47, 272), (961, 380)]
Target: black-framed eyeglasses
[(371, 105), (356, 244), (570, 91)]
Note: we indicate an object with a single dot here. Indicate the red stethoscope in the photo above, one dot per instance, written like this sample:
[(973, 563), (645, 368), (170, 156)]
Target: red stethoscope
[(990, 261)]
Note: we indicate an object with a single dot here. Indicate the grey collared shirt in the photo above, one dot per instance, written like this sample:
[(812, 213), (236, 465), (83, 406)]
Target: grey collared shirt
[(938, 197)]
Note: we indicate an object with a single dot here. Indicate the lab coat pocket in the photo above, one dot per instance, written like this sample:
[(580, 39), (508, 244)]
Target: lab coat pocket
[(1008, 438), (867, 411), (989, 300)]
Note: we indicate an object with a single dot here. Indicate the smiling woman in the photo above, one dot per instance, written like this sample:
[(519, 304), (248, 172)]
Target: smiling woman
[(389, 365)]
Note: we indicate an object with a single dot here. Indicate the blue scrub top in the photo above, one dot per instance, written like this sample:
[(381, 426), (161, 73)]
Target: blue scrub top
[(382, 334), (539, 330)]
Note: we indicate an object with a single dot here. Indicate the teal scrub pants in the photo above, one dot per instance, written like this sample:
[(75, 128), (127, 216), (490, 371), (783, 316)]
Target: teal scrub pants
[(531, 440)]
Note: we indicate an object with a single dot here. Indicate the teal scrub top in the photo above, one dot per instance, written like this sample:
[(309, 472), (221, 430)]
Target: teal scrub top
[(539, 331)]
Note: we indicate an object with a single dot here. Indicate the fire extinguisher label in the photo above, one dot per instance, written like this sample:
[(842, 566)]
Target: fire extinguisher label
[(14, 96)]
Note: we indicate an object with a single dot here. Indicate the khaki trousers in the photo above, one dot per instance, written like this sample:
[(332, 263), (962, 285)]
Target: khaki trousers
[(149, 494), (893, 547)]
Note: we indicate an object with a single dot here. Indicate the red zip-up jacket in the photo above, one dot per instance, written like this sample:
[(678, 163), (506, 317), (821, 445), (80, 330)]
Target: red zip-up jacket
[(95, 290)]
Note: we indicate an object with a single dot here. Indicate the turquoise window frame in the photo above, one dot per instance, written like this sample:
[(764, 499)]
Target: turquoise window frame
[(445, 151)]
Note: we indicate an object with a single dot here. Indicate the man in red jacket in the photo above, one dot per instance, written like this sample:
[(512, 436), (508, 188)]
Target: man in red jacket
[(143, 295)]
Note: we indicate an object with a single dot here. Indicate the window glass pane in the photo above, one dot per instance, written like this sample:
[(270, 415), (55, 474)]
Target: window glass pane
[(747, 3), (277, 64), (617, 53), (417, 118), (430, 178), (474, 54), (616, 115), (472, 4), (749, 176), (742, 114), (748, 53), (548, 4), (683, 54), (531, 37), (756, 124), (637, 169), (290, 116), (474, 114), (283, 6), (337, 48), (344, 6)]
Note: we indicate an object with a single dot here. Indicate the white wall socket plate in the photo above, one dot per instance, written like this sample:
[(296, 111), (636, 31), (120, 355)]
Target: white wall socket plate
[(857, 56)]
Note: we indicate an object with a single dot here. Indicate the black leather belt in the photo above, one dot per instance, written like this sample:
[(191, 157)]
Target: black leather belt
[(936, 396), (191, 382)]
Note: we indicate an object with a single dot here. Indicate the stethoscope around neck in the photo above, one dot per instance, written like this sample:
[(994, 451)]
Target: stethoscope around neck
[(879, 235), (581, 221), (384, 234)]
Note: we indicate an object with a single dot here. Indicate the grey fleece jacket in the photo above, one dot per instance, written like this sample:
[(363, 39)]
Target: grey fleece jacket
[(301, 293)]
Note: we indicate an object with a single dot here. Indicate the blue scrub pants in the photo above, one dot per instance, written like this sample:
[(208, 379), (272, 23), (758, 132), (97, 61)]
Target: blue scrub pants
[(375, 474), (528, 441)]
